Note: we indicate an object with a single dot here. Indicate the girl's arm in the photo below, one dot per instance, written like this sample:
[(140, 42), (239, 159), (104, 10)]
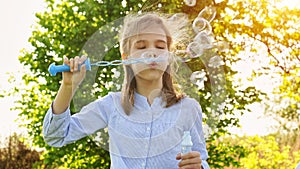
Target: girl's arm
[(61, 129), (70, 83)]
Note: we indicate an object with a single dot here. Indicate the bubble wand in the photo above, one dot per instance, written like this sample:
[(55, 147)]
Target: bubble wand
[(53, 69)]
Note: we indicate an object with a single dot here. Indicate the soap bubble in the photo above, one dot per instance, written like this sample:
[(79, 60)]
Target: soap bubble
[(222, 46), (190, 2), (215, 62), (207, 131), (195, 49), (198, 78), (148, 54), (178, 17), (208, 13), (205, 40), (104, 41), (199, 24), (180, 20)]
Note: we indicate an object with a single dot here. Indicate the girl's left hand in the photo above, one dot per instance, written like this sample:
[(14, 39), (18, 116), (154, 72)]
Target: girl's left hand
[(189, 160)]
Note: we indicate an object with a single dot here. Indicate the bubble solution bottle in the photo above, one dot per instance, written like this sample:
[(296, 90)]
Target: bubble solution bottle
[(186, 144)]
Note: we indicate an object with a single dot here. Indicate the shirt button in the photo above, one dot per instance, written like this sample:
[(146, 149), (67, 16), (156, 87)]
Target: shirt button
[(146, 146), (148, 128), (143, 164)]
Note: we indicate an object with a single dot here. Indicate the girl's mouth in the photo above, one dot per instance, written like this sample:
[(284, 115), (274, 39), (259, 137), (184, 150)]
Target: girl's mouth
[(153, 65)]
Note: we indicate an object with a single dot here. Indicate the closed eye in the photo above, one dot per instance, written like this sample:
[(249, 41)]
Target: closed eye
[(141, 47), (161, 47), (141, 44), (160, 44)]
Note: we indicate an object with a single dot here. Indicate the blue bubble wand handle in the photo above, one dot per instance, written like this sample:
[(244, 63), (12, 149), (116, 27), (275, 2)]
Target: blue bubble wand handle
[(53, 69)]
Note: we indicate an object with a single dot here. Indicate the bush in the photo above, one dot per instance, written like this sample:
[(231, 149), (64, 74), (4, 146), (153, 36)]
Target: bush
[(16, 154)]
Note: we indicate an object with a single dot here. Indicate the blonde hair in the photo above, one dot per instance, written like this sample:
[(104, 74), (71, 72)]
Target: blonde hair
[(133, 26)]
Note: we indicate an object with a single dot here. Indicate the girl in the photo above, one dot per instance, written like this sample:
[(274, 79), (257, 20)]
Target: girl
[(147, 119)]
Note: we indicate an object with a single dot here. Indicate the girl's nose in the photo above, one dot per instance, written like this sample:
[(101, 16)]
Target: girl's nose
[(149, 54)]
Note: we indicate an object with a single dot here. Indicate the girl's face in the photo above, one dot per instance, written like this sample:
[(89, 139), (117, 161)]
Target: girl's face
[(152, 42)]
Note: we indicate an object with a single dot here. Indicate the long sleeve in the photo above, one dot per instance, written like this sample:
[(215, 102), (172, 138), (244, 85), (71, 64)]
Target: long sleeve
[(62, 129)]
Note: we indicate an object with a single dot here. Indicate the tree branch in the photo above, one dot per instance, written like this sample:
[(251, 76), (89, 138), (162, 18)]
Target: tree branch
[(284, 69)]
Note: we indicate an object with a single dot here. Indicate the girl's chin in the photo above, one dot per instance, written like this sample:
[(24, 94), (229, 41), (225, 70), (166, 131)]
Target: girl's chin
[(150, 74)]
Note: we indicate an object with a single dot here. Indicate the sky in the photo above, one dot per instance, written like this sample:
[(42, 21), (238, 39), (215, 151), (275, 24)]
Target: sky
[(17, 17)]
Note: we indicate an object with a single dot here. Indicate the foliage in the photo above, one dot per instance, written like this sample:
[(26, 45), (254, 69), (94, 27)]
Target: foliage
[(65, 28), (264, 152), (15, 154)]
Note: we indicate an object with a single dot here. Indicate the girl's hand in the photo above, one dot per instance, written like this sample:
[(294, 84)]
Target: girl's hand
[(75, 76), (190, 160)]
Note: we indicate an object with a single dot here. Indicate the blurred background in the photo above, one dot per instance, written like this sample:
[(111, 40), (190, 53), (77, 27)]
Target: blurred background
[(259, 124)]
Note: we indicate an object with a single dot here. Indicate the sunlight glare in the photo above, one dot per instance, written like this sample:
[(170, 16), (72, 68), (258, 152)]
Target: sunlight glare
[(291, 4)]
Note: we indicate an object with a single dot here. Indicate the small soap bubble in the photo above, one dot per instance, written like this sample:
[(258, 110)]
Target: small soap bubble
[(215, 62), (179, 17), (222, 46), (190, 2), (163, 57), (198, 78), (205, 40), (207, 131), (208, 13), (148, 54), (195, 49), (199, 24)]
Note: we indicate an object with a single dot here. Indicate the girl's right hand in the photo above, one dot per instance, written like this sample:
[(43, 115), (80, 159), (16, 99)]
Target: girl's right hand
[(74, 77)]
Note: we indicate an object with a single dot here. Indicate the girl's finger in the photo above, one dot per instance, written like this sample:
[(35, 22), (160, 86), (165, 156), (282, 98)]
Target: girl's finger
[(82, 71), (82, 59), (76, 63), (188, 162), (192, 166), (178, 156), (191, 154), (71, 65), (66, 61)]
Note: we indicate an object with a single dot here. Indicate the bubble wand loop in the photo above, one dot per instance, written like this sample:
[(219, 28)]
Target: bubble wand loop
[(53, 69)]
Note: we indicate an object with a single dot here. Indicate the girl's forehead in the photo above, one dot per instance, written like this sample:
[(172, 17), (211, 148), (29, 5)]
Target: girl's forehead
[(152, 30), (150, 37)]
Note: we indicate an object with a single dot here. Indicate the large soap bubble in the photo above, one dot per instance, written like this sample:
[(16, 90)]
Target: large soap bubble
[(104, 42)]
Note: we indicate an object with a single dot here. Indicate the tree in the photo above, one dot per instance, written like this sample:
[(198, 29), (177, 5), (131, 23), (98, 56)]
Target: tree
[(15, 154), (270, 31)]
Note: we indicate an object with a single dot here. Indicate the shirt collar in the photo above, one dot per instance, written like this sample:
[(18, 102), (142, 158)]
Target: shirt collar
[(141, 103)]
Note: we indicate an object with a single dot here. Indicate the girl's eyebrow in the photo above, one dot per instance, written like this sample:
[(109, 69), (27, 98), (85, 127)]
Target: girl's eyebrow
[(140, 41), (159, 40)]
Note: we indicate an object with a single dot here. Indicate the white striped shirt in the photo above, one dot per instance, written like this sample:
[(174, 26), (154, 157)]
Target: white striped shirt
[(149, 137)]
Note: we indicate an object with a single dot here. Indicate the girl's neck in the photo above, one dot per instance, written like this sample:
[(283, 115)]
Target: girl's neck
[(149, 89)]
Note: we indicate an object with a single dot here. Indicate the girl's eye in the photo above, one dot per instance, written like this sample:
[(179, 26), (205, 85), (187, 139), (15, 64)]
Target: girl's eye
[(141, 47), (141, 44), (161, 47)]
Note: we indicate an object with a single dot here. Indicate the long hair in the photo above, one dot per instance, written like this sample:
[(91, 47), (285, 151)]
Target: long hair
[(134, 25)]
